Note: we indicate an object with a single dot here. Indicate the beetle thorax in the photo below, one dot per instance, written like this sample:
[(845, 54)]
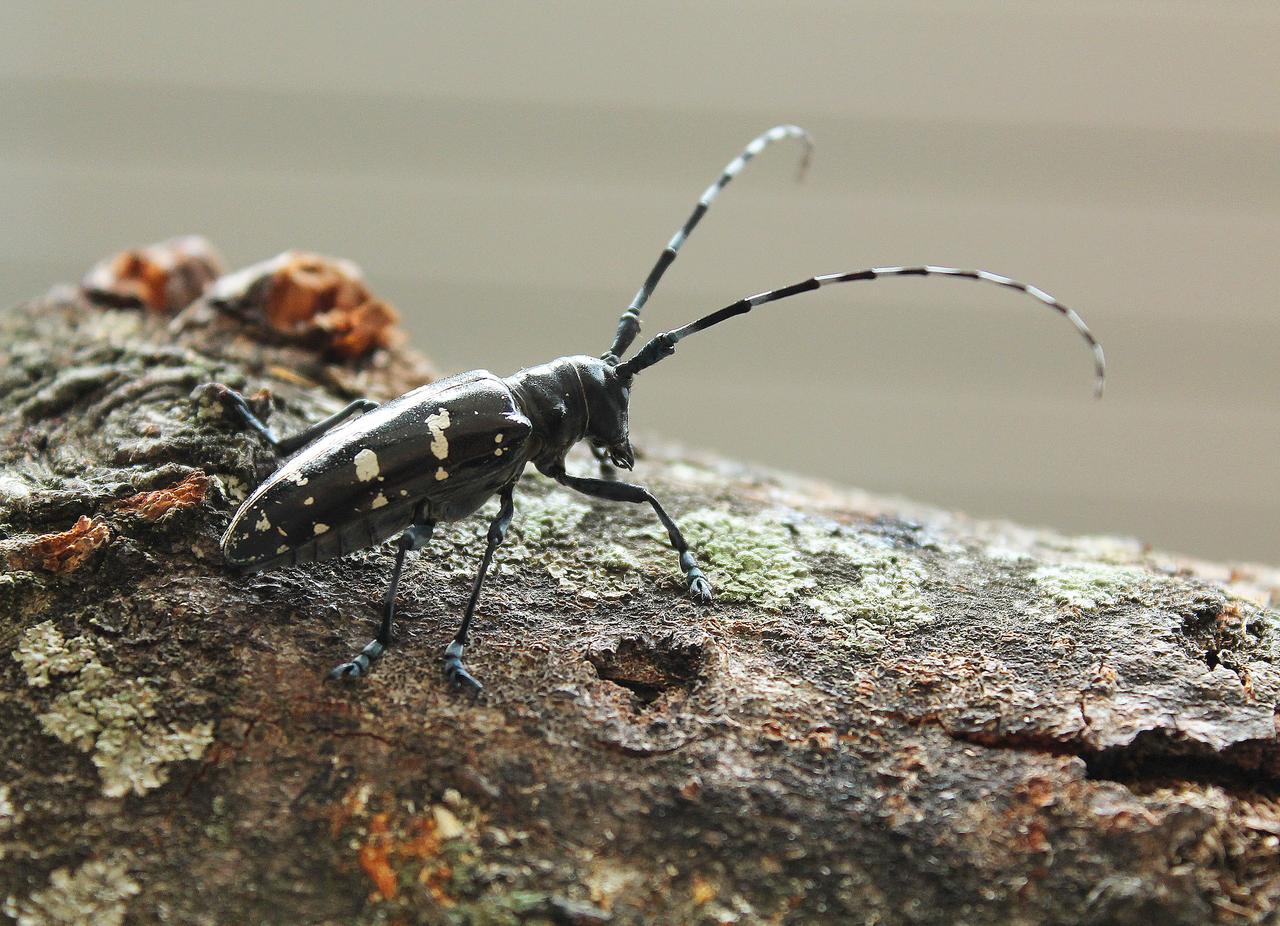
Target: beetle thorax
[(573, 399)]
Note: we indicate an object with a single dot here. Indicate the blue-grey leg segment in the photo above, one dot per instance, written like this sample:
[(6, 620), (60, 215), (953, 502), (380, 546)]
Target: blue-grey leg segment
[(454, 670), (413, 538)]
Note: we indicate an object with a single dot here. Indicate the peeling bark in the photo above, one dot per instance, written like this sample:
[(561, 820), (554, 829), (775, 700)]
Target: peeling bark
[(891, 715)]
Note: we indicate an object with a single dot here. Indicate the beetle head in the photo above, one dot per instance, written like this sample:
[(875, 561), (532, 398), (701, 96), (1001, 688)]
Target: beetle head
[(608, 398)]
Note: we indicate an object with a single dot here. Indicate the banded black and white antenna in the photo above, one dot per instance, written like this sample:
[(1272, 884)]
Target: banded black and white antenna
[(629, 323), (664, 345)]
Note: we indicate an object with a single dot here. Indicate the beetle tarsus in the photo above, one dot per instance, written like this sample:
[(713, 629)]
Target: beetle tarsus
[(699, 587), (361, 664), (455, 672)]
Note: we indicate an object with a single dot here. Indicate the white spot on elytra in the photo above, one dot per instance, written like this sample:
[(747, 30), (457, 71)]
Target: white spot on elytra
[(263, 523), (497, 438), (379, 501), (320, 528), (441, 475), (299, 479), (282, 549), (437, 424), (404, 491), (498, 452), (281, 532), (309, 500), (366, 465)]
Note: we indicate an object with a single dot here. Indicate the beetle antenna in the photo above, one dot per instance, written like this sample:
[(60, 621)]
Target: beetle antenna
[(664, 345), (629, 323)]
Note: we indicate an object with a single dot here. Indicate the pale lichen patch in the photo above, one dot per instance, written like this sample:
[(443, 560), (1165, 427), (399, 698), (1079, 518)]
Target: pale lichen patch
[(770, 559), (8, 812), (96, 893), (610, 572), (100, 712), (888, 595), (232, 486), (547, 518), (1089, 586), (44, 652), (747, 559), (208, 406)]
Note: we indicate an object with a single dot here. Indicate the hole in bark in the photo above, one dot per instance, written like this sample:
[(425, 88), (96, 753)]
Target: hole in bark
[(649, 665)]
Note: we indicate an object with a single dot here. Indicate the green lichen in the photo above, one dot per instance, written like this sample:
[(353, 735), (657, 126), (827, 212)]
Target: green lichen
[(547, 518), (44, 652), (95, 894), (748, 559), (101, 712), (609, 571), (888, 597), (770, 560), (1088, 586)]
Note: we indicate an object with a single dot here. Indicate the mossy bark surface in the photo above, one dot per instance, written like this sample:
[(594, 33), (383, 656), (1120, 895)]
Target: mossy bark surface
[(891, 714)]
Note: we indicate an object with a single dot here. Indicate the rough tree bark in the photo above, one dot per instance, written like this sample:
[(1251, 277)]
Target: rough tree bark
[(891, 715)]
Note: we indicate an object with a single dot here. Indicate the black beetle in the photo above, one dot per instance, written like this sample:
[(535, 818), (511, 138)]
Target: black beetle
[(440, 452)]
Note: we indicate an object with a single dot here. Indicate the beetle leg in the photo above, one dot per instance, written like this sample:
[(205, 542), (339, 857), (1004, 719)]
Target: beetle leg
[(415, 537), (287, 445), (454, 670), (607, 469), (699, 587)]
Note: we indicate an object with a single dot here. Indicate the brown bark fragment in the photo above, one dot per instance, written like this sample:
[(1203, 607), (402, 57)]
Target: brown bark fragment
[(155, 505), (64, 551), (163, 277)]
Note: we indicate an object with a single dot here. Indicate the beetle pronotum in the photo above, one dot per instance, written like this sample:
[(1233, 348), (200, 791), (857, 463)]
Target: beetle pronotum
[(439, 452)]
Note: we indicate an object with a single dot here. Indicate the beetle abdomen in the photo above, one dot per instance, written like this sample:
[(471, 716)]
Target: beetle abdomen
[(442, 449)]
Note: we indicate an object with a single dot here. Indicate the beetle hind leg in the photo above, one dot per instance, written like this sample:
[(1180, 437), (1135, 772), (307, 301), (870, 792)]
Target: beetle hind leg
[(413, 538)]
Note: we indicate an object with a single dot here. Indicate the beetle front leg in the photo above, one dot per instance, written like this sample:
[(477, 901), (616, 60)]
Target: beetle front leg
[(607, 469), (454, 670), (413, 538), (287, 445), (699, 587)]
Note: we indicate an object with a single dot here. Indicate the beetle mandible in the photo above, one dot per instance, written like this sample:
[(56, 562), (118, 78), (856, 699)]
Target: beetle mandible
[(439, 452)]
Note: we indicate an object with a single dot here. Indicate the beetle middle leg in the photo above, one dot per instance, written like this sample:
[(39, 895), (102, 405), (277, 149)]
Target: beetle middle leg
[(414, 538), (454, 670), (287, 445), (699, 587)]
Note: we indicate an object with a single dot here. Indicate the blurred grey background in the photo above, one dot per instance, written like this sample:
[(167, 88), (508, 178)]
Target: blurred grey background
[(507, 173)]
